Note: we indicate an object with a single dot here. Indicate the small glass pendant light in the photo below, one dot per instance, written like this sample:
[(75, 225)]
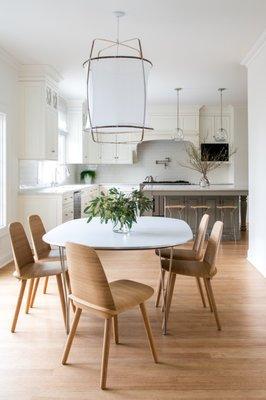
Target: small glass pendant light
[(117, 89), (179, 134), (221, 135)]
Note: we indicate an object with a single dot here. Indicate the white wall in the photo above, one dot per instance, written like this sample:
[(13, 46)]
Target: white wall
[(9, 105), (256, 64), (241, 145)]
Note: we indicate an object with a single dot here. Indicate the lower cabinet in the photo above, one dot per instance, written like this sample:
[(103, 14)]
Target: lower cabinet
[(87, 195)]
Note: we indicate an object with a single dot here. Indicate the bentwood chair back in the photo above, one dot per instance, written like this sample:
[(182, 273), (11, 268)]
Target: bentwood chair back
[(213, 245), (37, 231), (88, 279), (27, 269), (92, 292), (200, 236), (205, 269), (20, 247)]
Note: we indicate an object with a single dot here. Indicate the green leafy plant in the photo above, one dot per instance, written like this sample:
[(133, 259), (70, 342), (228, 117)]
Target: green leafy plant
[(120, 208), (87, 173)]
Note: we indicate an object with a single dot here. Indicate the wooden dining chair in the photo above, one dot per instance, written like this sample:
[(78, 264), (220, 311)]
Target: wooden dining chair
[(92, 292), (194, 254), (42, 251), (26, 269), (205, 269)]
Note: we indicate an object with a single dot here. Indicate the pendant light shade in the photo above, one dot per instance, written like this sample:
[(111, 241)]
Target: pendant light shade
[(117, 90), (179, 134), (221, 135)]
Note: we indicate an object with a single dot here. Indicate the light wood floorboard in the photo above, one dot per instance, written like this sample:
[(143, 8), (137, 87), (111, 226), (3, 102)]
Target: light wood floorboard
[(197, 362)]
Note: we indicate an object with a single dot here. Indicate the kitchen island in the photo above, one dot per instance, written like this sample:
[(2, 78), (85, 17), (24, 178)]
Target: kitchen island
[(192, 195)]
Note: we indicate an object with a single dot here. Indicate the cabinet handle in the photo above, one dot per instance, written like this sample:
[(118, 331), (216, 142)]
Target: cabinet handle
[(53, 151)]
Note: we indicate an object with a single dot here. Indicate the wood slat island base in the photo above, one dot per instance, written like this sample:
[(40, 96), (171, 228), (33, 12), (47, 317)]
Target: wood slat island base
[(196, 361)]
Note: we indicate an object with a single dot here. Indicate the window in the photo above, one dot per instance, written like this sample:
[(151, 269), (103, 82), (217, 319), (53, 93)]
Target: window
[(2, 170)]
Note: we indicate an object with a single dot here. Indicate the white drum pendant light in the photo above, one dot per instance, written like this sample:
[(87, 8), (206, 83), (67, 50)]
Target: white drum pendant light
[(117, 89), (179, 134), (221, 135)]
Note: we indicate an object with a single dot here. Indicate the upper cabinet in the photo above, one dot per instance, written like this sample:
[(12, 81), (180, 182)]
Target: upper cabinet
[(210, 122), (163, 121), (81, 149), (38, 113), (77, 141)]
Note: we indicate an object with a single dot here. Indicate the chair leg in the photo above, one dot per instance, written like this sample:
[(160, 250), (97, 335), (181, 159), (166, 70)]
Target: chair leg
[(71, 335), (19, 301), (70, 290), (208, 295), (36, 284), (105, 353), (159, 288), (115, 329), (208, 282), (170, 295), (148, 331), (201, 292), (61, 295), (29, 295), (46, 279)]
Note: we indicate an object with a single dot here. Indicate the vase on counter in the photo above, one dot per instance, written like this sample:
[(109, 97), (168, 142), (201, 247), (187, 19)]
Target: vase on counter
[(204, 181)]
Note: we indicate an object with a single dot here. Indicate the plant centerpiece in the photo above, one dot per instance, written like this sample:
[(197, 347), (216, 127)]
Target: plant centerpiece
[(87, 176), (120, 208), (203, 163)]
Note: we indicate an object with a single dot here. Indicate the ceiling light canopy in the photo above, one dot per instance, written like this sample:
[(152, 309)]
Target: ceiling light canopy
[(117, 75)]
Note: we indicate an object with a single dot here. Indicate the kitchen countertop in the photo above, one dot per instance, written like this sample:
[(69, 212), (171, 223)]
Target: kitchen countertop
[(218, 190), (60, 190)]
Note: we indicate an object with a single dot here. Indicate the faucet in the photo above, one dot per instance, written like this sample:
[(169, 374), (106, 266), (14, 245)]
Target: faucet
[(149, 178), (164, 162)]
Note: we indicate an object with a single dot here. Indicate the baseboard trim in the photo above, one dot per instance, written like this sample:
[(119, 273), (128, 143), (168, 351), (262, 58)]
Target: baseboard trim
[(5, 260), (252, 260)]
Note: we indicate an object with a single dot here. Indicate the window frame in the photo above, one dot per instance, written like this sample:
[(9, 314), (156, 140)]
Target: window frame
[(3, 173)]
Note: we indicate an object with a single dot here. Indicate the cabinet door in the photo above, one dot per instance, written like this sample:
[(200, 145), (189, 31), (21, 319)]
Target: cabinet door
[(124, 154), (108, 150), (51, 134), (207, 128), (93, 151)]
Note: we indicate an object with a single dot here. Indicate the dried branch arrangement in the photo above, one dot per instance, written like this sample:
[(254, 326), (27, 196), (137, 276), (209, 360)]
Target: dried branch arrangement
[(203, 162)]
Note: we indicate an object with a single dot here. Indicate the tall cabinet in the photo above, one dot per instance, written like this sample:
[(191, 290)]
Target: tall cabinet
[(38, 113)]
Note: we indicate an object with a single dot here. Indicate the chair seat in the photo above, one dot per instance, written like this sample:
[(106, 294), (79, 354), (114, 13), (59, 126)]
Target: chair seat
[(49, 256), (179, 254), (128, 294), (198, 269), (39, 270)]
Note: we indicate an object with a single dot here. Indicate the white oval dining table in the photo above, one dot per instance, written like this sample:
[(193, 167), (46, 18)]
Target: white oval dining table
[(148, 233)]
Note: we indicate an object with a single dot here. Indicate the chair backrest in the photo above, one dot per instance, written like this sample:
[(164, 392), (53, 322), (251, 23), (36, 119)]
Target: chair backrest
[(37, 231), (20, 246), (200, 235), (87, 276), (213, 245)]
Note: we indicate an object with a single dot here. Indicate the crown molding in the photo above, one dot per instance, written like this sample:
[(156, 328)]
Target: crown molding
[(9, 59), (255, 50), (38, 72)]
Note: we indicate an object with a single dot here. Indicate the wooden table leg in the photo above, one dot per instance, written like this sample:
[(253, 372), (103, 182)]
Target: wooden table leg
[(63, 266), (165, 293)]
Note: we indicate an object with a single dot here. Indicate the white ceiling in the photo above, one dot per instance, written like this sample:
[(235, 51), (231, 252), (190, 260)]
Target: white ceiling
[(195, 44)]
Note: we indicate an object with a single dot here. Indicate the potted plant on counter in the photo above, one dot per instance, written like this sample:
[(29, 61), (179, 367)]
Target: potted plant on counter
[(87, 176), (119, 208)]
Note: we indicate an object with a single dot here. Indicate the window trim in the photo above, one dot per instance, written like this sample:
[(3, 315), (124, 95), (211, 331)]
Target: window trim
[(3, 178)]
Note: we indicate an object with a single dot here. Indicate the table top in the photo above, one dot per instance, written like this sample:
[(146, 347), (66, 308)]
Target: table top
[(147, 233)]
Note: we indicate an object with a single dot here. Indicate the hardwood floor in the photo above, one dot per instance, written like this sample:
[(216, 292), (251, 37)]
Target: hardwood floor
[(196, 361)]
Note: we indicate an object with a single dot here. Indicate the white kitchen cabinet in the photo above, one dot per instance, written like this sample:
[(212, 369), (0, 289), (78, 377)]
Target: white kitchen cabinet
[(109, 153), (210, 122), (38, 117), (53, 209), (88, 194), (77, 141)]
